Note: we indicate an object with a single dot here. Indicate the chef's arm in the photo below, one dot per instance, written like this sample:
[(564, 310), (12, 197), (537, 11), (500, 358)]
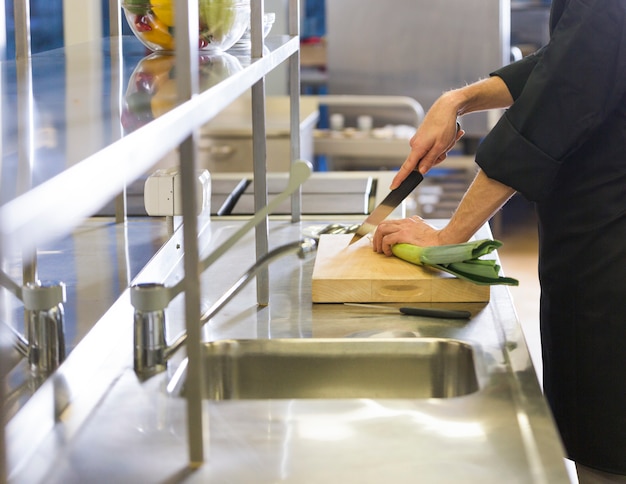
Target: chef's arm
[(438, 132), (482, 200)]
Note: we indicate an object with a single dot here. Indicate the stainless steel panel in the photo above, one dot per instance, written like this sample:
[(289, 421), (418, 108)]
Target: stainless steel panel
[(416, 48), (348, 204), (231, 154), (319, 196)]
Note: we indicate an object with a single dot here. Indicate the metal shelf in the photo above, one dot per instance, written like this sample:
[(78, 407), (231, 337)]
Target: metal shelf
[(50, 209), (53, 187)]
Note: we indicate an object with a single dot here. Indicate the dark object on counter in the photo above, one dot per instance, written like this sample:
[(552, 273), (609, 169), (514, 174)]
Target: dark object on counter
[(232, 198), (426, 312), (436, 313)]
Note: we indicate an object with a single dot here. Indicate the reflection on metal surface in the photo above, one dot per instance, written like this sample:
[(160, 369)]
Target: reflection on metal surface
[(456, 428), (391, 333), (152, 89)]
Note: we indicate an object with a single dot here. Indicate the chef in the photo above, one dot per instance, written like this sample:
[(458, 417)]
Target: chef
[(561, 144)]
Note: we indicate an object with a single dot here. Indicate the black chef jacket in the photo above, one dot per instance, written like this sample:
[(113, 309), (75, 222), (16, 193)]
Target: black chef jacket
[(562, 144)]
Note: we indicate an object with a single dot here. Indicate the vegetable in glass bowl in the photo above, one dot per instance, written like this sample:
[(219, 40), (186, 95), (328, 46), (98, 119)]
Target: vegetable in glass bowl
[(221, 23)]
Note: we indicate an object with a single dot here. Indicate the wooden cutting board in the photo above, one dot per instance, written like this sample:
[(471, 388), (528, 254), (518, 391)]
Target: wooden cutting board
[(355, 273)]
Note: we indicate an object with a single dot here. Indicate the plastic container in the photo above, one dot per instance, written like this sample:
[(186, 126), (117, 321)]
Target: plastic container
[(222, 23)]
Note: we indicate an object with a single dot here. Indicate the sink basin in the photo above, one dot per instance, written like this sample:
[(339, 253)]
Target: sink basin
[(339, 368)]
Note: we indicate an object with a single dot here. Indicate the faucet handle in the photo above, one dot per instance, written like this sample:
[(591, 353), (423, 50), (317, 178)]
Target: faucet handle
[(150, 341), (43, 303), (43, 295)]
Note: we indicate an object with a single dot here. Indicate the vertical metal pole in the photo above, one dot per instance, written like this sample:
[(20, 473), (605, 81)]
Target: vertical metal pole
[(115, 18), (25, 117), (187, 86), (4, 338), (294, 104), (117, 99), (117, 68), (259, 150), (21, 13), (24, 93), (505, 31), (3, 39), (82, 22), (5, 348)]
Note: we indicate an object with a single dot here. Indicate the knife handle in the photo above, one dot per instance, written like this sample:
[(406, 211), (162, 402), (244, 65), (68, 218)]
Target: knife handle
[(436, 313)]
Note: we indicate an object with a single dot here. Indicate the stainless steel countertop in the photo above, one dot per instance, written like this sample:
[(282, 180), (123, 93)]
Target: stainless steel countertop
[(95, 421), (96, 263)]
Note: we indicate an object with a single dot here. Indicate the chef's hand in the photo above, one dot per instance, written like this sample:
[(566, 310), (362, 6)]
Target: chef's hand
[(412, 230), (429, 146)]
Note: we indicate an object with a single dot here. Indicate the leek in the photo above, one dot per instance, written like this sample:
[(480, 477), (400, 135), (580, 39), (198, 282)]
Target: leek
[(460, 260)]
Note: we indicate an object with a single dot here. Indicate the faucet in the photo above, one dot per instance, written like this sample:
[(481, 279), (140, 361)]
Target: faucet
[(44, 342), (151, 351)]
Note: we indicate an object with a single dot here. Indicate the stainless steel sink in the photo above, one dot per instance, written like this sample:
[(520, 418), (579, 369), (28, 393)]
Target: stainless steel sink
[(339, 368)]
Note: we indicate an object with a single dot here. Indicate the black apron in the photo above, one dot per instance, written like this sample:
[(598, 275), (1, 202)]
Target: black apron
[(582, 271), (562, 144)]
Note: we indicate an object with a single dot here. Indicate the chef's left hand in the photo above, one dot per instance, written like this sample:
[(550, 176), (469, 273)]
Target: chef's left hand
[(413, 230)]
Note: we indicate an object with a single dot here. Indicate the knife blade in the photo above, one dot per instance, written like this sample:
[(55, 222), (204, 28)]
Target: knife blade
[(413, 311), (389, 203)]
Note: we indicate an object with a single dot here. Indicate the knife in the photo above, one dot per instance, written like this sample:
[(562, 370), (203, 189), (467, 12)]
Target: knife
[(427, 312), (387, 206)]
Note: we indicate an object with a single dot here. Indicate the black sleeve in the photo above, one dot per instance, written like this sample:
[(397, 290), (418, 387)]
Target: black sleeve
[(516, 74), (562, 95)]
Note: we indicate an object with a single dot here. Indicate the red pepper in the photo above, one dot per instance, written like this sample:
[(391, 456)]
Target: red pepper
[(142, 23)]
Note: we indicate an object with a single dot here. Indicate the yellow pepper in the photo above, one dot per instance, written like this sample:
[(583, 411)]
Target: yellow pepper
[(164, 10), (152, 30)]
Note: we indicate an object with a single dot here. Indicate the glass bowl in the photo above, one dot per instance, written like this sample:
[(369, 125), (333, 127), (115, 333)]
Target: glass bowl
[(268, 22), (222, 23), (244, 42)]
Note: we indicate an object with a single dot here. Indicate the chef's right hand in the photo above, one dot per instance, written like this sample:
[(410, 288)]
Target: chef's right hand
[(429, 146)]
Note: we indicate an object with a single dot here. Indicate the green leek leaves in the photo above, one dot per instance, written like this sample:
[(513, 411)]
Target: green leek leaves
[(460, 260)]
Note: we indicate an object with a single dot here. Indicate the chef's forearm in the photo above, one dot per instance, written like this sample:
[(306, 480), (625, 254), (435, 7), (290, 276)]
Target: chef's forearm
[(491, 93), (482, 200)]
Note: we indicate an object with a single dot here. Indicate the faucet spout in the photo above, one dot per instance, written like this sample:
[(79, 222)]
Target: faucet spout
[(300, 247)]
